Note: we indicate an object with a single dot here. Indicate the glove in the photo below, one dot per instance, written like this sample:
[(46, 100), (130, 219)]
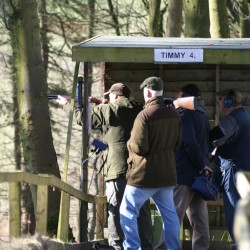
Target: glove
[(95, 100), (62, 100), (168, 100)]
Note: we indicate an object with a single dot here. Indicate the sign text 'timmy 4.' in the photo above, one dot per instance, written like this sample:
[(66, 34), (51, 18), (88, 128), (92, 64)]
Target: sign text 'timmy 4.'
[(178, 55)]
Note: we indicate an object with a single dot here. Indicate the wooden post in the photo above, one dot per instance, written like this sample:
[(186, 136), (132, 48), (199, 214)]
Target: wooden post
[(72, 102), (14, 209), (63, 223), (64, 208), (42, 209), (100, 210), (217, 89)]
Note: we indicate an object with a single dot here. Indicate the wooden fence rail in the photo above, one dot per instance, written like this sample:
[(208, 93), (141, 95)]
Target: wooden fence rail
[(43, 181)]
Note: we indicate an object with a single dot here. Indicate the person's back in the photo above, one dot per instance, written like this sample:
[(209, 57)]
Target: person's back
[(156, 133), (194, 149), (115, 120), (236, 149)]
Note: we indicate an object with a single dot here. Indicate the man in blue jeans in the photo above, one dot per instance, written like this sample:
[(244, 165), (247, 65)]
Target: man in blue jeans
[(151, 172), (232, 154)]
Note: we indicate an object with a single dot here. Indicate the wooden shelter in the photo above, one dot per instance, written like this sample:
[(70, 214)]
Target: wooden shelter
[(212, 64)]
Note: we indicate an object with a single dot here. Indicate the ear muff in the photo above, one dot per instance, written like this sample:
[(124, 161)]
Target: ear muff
[(229, 99), (228, 102)]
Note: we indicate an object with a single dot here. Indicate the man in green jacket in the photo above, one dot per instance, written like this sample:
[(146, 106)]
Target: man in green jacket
[(115, 121)]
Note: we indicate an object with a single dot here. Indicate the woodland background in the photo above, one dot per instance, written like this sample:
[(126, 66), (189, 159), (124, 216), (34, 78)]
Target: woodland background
[(35, 60)]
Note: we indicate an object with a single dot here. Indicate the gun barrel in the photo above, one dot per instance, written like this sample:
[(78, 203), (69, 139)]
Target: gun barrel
[(51, 97)]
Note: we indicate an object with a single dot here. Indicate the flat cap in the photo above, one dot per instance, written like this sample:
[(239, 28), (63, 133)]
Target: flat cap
[(119, 89), (153, 82)]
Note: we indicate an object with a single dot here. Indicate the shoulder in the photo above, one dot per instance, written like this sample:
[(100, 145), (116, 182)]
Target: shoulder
[(102, 108), (227, 122)]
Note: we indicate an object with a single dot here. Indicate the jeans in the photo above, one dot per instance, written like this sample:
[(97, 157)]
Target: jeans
[(132, 201), (187, 201), (230, 193), (114, 190)]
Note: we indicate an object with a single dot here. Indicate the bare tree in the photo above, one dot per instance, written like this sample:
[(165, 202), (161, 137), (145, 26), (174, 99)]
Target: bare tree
[(174, 21), (35, 131), (153, 19), (44, 38), (196, 18), (219, 27), (244, 13)]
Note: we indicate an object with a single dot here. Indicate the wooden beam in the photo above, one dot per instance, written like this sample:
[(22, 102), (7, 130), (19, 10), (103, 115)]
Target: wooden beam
[(50, 180), (146, 55)]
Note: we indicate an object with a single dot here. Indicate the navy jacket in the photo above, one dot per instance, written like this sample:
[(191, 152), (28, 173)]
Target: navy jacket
[(193, 155), (236, 148)]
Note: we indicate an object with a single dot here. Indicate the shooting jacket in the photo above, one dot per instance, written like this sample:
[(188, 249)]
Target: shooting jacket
[(193, 154), (236, 126), (115, 121), (155, 135)]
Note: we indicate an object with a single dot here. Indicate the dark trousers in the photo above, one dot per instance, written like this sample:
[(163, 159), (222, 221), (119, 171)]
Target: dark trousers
[(114, 191)]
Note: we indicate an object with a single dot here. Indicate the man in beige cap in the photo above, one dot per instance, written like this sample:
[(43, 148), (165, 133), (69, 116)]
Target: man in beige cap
[(151, 172), (115, 121)]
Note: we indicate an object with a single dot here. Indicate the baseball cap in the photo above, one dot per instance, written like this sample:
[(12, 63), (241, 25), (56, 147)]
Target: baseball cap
[(153, 82), (118, 89)]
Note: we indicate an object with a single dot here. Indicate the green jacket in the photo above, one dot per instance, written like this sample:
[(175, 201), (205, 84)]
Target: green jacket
[(115, 121), (155, 135)]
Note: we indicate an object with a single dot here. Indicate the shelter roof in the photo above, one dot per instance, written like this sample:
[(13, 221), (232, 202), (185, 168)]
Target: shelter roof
[(141, 49)]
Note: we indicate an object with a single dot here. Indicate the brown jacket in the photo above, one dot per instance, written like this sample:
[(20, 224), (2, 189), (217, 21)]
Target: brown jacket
[(155, 135)]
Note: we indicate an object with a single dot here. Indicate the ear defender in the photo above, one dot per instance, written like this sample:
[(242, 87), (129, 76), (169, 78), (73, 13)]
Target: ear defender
[(229, 99), (228, 102)]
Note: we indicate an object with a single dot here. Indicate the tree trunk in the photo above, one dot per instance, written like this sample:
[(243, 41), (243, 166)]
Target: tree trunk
[(35, 131), (244, 18), (17, 142), (154, 10), (219, 27), (44, 39), (196, 18), (174, 21)]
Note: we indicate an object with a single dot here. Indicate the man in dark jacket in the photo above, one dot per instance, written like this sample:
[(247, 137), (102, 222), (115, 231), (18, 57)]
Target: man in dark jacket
[(232, 154), (115, 121), (192, 159), (155, 135)]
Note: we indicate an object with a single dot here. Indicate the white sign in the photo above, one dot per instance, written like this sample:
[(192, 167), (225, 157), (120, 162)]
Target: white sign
[(178, 55)]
